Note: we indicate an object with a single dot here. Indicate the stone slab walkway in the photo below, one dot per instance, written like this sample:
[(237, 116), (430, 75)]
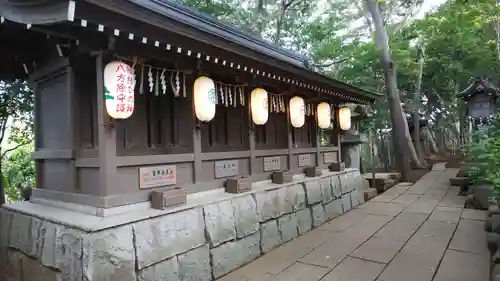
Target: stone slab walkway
[(417, 232)]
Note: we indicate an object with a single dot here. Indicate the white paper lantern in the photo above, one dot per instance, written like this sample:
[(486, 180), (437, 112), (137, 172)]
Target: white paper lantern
[(204, 98), (119, 85), (297, 112), (259, 107), (345, 118), (323, 115)]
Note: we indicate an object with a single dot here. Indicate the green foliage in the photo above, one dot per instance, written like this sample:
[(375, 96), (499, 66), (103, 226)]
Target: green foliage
[(483, 156), (18, 171), (16, 112)]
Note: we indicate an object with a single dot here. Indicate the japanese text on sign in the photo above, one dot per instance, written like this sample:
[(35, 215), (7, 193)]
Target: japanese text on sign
[(305, 160), (226, 168), (329, 157), (157, 176), (124, 88), (272, 163)]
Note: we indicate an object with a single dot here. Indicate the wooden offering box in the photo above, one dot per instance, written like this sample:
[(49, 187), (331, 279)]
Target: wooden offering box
[(238, 185), (312, 172), (337, 167), (162, 199), (282, 177)]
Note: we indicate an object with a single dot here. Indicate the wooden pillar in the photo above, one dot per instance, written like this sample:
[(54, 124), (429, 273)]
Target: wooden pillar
[(290, 139), (197, 167), (318, 139), (106, 136), (251, 136)]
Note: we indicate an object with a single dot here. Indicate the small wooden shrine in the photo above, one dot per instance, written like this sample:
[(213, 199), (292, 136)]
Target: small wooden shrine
[(481, 100), (139, 96)]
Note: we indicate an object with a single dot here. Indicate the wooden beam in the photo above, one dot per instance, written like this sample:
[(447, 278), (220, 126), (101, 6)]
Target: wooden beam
[(106, 136)]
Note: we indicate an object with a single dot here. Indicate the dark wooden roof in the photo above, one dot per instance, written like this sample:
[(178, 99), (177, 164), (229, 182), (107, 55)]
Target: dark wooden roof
[(194, 28), (479, 85)]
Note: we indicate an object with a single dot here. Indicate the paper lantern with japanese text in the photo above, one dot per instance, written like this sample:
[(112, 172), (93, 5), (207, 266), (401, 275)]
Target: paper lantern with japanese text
[(297, 112), (119, 85), (259, 106), (345, 118), (204, 98), (323, 115)]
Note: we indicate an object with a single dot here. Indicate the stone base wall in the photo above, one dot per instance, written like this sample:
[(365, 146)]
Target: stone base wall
[(198, 244)]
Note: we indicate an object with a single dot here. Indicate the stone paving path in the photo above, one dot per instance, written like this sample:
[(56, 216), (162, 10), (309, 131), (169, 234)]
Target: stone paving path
[(417, 232)]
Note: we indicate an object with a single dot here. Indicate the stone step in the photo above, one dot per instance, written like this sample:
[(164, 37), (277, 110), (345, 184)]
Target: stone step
[(370, 193), (459, 181)]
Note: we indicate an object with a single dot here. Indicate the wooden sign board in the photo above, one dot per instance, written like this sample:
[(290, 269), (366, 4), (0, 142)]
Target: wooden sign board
[(227, 168), (305, 160), (272, 163), (329, 157), (157, 176)]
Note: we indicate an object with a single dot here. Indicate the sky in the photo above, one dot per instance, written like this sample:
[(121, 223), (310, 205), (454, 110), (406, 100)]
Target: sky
[(427, 6)]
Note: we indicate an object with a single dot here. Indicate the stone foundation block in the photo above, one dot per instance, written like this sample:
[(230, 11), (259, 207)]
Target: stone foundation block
[(195, 265), (333, 209), (269, 236), (346, 202), (313, 191), (266, 207), (33, 270), (51, 235), (344, 183), (298, 195), (109, 255), (219, 222), (231, 255), (69, 254), (165, 270), (4, 233), (164, 237), (20, 234), (11, 269), (287, 227), (369, 193), (354, 198), (318, 215), (326, 190), (245, 216), (283, 201), (304, 220), (336, 187), (43, 232)]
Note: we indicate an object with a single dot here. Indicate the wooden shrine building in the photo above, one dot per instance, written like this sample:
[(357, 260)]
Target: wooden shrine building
[(183, 90), (84, 157)]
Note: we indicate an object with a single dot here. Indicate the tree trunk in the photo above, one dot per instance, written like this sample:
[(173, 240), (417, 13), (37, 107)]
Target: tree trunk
[(2, 191), (403, 145), (279, 22), (416, 101), (440, 132), (430, 139), (259, 11)]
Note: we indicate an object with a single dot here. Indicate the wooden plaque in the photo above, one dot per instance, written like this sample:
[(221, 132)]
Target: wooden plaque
[(227, 168), (272, 163), (157, 176), (305, 160), (329, 157)]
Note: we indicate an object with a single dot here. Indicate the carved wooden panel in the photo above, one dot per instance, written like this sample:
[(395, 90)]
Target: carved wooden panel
[(160, 124), (228, 131), (273, 134), (305, 136)]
